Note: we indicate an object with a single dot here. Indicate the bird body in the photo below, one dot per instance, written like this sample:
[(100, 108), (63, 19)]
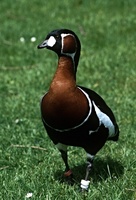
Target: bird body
[(74, 115)]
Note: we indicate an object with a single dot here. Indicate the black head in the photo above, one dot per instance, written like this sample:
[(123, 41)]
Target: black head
[(64, 42)]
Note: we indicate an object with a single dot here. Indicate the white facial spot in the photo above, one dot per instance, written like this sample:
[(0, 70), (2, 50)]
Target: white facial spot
[(51, 41)]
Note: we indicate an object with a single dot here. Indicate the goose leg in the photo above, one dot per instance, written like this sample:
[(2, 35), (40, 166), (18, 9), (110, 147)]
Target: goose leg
[(85, 182), (97, 142), (68, 172), (90, 159)]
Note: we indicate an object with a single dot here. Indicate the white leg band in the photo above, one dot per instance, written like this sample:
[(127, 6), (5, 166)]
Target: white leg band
[(84, 184)]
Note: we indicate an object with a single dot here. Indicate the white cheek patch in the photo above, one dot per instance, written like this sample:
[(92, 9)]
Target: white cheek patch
[(51, 41), (105, 120)]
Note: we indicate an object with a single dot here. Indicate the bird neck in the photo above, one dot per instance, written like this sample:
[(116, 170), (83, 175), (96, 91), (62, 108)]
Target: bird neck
[(64, 105), (65, 77)]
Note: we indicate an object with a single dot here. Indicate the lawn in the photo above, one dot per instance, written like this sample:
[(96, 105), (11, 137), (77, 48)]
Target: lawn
[(29, 162)]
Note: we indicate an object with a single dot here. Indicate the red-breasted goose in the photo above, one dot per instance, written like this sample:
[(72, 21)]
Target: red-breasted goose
[(74, 115)]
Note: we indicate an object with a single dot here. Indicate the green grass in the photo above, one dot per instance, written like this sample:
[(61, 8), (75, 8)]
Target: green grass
[(107, 65)]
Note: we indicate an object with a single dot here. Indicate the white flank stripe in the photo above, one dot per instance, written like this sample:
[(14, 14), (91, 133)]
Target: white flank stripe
[(105, 120)]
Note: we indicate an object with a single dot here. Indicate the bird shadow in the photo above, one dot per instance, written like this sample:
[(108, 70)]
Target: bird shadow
[(101, 171)]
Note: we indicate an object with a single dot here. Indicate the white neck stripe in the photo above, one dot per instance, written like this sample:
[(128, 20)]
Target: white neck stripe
[(89, 113), (72, 55)]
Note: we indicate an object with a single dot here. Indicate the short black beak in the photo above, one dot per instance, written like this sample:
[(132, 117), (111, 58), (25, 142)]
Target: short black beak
[(43, 44)]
